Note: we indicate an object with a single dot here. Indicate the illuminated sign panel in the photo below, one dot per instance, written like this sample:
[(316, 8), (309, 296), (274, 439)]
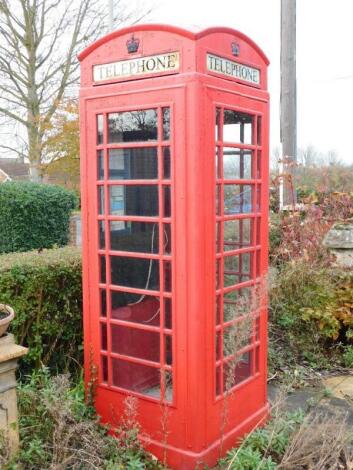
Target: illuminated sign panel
[(233, 69), (155, 64)]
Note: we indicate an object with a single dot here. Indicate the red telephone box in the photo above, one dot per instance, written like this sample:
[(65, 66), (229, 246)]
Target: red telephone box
[(174, 134)]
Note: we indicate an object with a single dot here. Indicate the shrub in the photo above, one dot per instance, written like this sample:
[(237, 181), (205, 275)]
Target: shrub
[(263, 448), (300, 236), (275, 235), (34, 216), (335, 317), (298, 285), (311, 312), (309, 295), (348, 356), (45, 291), (59, 431)]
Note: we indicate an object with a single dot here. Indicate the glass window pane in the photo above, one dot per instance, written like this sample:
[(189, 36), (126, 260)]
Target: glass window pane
[(168, 313), (102, 268), (104, 368), (167, 276), (229, 341), (259, 130), (141, 200), (218, 237), (245, 261), (141, 237), (218, 345), (237, 269), (133, 164), (231, 270), (100, 125), (236, 163), (259, 162), (134, 342), (167, 239), (218, 200), (257, 359), (237, 234), (100, 200), (104, 337), (237, 199), (231, 279), (101, 234), (132, 126), (103, 303), (258, 198), (236, 337), (100, 165), (167, 201), (218, 381), (218, 124), (218, 163), (218, 310), (168, 384), (166, 163), (135, 308), (135, 272), (136, 377), (237, 127), (168, 349), (166, 123), (237, 370), (258, 231), (257, 329), (237, 303), (218, 273), (258, 264)]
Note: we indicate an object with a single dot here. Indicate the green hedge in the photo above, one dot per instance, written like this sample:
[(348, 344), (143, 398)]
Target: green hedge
[(34, 216), (45, 291)]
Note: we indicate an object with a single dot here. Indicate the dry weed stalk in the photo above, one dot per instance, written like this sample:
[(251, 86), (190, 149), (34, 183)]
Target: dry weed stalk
[(238, 336), (4, 449), (277, 410), (91, 387), (74, 443), (164, 429), (322, 442), (165, 412)]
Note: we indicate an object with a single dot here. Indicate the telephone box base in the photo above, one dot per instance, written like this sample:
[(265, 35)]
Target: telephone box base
[(180, 459)]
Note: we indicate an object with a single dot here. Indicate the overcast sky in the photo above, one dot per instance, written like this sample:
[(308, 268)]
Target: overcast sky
[(324, 59)]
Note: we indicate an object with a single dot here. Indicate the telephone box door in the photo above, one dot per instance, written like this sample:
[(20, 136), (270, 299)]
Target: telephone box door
[(239, 179), (134, 202)]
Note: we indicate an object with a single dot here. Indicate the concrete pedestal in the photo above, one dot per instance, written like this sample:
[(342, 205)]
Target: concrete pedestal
[(339, 239), (9, 355)]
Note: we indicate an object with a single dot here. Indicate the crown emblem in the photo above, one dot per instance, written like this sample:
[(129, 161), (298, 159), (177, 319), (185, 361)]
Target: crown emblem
[(235, 49), (132, 45)]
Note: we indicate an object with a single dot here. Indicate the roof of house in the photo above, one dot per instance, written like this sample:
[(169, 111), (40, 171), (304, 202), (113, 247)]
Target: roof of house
[(14, 168)]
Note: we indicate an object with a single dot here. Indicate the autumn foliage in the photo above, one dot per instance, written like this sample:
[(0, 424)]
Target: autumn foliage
[(62, 148)]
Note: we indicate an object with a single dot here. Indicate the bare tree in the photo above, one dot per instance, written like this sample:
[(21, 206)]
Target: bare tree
[(308, 156), (39, 42), (312, 157)]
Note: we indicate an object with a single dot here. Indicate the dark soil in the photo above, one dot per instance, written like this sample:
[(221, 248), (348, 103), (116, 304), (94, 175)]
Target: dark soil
[(4, 314)]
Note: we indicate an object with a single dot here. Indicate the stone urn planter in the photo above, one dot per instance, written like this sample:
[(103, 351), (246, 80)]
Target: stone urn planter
[(339, 240), (6, 316), (10, 353)]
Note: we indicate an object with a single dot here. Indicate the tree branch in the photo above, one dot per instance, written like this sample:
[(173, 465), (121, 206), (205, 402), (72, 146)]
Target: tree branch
[(14, 116)]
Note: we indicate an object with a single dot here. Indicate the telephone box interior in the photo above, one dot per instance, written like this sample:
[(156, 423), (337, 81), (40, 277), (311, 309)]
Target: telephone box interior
[(174, 175)]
